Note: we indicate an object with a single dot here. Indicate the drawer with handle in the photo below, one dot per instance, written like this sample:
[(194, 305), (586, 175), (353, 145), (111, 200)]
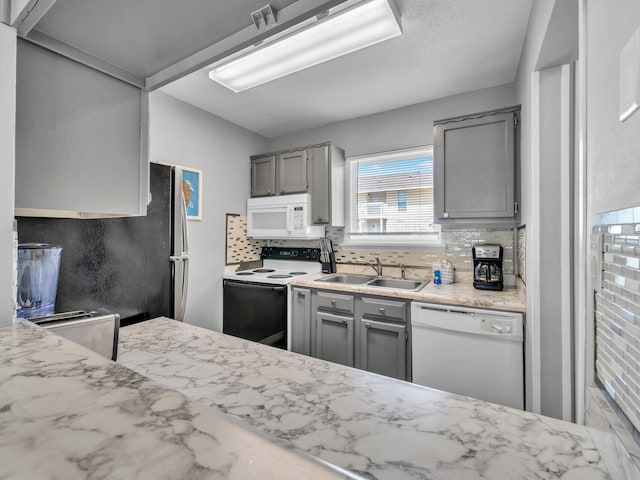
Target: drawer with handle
[(336, 301), (388, 309)]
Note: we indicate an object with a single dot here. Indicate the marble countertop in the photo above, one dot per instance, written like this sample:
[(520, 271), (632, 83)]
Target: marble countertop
[(510, 299), (374, 426), (67, 413)]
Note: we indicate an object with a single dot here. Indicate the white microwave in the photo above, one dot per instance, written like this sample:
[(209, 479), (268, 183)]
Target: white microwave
[(281, 217)]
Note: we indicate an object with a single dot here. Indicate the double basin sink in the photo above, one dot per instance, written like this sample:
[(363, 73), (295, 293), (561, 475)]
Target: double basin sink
[(373, 281)]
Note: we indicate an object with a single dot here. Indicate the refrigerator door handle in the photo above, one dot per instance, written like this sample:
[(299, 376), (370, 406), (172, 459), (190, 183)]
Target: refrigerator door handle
[(185, 286), (183, 256), (185, 225), (180, 254)]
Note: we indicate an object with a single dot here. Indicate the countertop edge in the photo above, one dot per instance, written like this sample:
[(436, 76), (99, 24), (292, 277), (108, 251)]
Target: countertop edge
[(511, 299)]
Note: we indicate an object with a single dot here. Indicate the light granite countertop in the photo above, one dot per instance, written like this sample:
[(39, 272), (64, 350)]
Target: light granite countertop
[(67, 413), (377, 427), (510, 299)]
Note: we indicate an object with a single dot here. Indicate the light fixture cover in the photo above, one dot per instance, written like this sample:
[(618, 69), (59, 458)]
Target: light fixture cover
[(344, 31)]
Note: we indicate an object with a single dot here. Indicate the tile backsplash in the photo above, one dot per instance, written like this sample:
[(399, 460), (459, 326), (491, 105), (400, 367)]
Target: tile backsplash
[(617, 317), (616, 250), (239, 248), (522, 253), (457, 247)]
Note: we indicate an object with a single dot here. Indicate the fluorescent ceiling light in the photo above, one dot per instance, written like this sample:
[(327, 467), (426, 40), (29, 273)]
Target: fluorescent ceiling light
[(315, 41)]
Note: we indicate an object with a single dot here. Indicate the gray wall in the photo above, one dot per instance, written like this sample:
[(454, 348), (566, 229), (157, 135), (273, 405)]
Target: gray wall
[(536, 30), (538, 21), (613, 148), (7, 164), (401, 128), (549, 258), (184, 135)]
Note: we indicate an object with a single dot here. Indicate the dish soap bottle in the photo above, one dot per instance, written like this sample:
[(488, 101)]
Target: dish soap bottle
[(437, 278)]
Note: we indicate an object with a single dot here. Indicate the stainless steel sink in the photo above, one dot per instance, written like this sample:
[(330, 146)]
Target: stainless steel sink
[(371, 281), (347, 278), (397, 283)]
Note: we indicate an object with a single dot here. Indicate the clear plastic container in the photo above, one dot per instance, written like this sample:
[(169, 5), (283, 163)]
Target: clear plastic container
[(38, 272)]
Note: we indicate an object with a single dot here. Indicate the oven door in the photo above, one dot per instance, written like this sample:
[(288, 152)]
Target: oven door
[(255, 311)]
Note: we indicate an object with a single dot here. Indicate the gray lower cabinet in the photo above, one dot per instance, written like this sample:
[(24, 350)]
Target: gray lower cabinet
[(383, 348), (362, 331), (301, 321), (383, 336), (334, 339)]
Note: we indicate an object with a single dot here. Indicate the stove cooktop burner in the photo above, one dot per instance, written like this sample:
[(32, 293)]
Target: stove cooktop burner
[(264, 270), (297, 273), (244, 273), (279, 275)]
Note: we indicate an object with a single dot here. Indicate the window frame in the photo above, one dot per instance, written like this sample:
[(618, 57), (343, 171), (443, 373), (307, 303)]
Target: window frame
[(426, 241)]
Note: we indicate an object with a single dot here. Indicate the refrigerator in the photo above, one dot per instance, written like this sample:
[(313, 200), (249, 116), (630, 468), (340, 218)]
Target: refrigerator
[(135, 266)]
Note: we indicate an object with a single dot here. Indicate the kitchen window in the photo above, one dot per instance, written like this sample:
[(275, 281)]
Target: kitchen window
[(390, 199)]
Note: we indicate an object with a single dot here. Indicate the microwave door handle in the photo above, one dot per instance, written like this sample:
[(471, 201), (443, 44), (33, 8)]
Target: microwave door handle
[(289, 218)]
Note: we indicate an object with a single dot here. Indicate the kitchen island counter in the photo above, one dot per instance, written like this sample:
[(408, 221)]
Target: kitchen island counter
[(372, 425), (67, 413)]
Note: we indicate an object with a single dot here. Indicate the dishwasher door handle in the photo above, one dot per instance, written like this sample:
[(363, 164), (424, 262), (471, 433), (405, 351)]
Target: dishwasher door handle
[(446, 310)]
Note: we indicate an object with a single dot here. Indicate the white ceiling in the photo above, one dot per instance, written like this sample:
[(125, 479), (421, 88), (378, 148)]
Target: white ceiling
[(447, 47)]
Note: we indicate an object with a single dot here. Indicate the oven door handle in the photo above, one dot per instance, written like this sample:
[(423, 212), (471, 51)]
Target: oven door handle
[(275, 288)]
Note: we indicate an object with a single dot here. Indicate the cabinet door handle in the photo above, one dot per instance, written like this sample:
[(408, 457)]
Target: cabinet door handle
[(333, 303), (381, 310), (301, 295), (367, 325)]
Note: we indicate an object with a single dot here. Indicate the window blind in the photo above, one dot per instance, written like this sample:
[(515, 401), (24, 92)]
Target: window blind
[(392, 193)]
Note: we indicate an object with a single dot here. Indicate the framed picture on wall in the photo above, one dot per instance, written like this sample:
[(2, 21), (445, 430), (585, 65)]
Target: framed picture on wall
[(192, 188)]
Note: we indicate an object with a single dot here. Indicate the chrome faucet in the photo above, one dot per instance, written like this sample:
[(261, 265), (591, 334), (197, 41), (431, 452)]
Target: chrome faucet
[(377, 267)]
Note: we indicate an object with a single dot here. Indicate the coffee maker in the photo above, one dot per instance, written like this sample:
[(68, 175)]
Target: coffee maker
[(487, 267)]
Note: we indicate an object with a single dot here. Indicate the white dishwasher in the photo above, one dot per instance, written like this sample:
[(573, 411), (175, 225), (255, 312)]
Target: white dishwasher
[(468, 351)]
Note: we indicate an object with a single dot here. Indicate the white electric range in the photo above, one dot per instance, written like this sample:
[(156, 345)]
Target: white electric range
[(255, 301)]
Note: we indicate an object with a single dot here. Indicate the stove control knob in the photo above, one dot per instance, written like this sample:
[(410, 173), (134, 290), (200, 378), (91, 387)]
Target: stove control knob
[(295, 253)]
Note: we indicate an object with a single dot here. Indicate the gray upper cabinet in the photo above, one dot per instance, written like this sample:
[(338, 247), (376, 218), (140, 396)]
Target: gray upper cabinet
[(326, 165), (279, 174), (292, 172), (475, 168), (80, 140), (318, 170), (263, 176)]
